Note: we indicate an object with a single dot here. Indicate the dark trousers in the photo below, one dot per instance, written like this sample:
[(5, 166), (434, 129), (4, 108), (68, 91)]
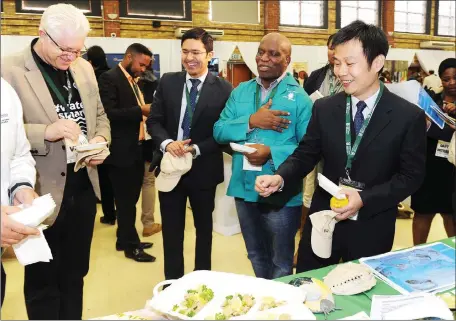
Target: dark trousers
[(107, 193), (126, 184), (3, 282), (172, 208), (54, 290), (352, 240)]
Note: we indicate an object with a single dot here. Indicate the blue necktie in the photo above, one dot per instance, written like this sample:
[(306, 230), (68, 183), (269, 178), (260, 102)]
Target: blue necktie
[(359, 117), (193, 94)]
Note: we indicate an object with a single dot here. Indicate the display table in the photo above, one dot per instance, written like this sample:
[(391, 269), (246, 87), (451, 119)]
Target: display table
[(350, 305)]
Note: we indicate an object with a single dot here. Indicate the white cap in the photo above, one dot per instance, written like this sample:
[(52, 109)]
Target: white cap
[(323, 224), (171, 170)]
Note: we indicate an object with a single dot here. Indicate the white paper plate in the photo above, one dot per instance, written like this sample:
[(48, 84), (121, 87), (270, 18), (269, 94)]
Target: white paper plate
[(224, 284), (89, 147)]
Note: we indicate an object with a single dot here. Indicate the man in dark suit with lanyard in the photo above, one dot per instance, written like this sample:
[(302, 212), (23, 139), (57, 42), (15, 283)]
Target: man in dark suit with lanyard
[(385, 164), (185, 107), (124, 104)]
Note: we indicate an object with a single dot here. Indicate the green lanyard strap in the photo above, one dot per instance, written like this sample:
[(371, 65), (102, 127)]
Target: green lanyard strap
[(351, 151), (189, 108), (51, 84), (258, 95)]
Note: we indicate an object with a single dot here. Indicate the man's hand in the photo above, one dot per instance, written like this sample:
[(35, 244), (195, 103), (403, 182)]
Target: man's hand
[(265, 118), (354, 205), (145, 109), (24, 196), (13, 232), (63, 128), (97, 139), (177, 148), (95, 162), (261, 156), (449, 108), (265, 185)]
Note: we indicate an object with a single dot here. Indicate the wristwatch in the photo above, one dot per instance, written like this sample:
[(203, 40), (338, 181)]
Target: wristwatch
[(193, 150)]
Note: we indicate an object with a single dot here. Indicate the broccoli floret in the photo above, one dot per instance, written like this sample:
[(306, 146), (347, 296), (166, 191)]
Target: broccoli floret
[(175, 307), (192, 291), (240, 297), (229, 297), (191, 313), (220, 316), (207, 295)]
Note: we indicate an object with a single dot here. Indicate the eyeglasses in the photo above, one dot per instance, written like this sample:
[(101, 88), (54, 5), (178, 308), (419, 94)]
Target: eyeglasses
[(194, 53), (68, 52)]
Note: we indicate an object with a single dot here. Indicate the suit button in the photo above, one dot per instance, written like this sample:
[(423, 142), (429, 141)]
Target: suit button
[(62, 173), (63, 147)]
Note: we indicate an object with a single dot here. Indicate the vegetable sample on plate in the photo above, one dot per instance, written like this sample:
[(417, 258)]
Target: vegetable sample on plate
[(194, 301), (268, 302), (234, 305)]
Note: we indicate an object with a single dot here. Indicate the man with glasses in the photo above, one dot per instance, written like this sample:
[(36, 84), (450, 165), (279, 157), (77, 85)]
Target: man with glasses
[(62, 107), (185, 107), (271, 113)]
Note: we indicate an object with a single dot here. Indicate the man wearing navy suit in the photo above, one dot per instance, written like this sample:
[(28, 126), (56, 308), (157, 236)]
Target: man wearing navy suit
[(185, 108), (370, 139)]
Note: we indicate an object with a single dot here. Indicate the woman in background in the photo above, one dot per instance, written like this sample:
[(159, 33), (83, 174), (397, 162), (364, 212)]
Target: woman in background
[(435, 195)]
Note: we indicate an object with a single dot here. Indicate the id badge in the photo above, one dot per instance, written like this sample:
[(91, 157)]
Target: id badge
[(70, 151), (443, 149), (349, 184)]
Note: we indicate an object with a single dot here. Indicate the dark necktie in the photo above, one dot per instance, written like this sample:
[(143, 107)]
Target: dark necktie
[(359, 117), (186, 122)]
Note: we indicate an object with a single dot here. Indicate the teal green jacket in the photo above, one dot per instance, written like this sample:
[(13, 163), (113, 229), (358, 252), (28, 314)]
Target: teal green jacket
[(233, 126)]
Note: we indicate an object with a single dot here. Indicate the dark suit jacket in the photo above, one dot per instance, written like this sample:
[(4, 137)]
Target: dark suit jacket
[(163, 123), (315, 80), (125, 115), (390, 160)]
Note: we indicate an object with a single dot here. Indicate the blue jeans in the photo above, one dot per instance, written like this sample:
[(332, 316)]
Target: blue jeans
[(269, 233)]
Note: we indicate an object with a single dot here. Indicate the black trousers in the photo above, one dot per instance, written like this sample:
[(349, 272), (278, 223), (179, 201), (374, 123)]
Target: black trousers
[(172, 207), (3, 281), (126, 184), (54, 290), (107, 193), (352, 240)]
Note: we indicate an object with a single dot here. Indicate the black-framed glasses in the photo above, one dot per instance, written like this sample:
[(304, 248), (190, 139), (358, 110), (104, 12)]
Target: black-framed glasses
[(77, 53)]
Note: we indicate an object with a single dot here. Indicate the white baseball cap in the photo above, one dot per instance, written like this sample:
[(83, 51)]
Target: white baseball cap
[(171, 170), (323, 224)]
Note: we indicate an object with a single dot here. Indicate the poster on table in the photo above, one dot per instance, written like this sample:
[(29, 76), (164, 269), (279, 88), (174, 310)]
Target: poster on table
[(419, 269)]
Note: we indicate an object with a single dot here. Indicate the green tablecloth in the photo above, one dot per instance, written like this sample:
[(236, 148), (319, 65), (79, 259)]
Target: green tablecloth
[(355, 303)]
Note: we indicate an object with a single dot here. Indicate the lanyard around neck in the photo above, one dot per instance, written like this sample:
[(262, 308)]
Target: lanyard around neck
[(189, 107), (351, 151), (54, 88), (258, 95)]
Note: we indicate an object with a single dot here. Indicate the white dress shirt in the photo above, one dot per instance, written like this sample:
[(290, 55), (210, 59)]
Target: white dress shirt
[(370, 102), (180, 131)]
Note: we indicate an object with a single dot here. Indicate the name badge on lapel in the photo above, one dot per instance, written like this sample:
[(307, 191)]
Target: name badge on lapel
[(443, 149), (347, 183)]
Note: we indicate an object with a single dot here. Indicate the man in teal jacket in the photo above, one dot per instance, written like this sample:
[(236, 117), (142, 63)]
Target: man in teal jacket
[(271, 113)]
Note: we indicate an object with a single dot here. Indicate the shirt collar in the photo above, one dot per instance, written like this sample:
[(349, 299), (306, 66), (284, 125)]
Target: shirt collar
[(202, 78), (370, 102), (129, 77), (273, 84)]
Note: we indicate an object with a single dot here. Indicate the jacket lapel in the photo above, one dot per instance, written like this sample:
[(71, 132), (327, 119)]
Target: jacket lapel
[(380, 119), (84, 94), (206, 92), (39, 86), (176, 100)]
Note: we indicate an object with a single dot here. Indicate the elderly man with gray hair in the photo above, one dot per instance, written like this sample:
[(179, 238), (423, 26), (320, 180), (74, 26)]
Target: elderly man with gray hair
[(61, 104)]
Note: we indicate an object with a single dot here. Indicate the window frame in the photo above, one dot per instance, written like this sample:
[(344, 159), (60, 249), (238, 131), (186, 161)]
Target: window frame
[(123, 13), (325, 19), (95, 6), (427, 25), (339, 14), (436, 21)]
